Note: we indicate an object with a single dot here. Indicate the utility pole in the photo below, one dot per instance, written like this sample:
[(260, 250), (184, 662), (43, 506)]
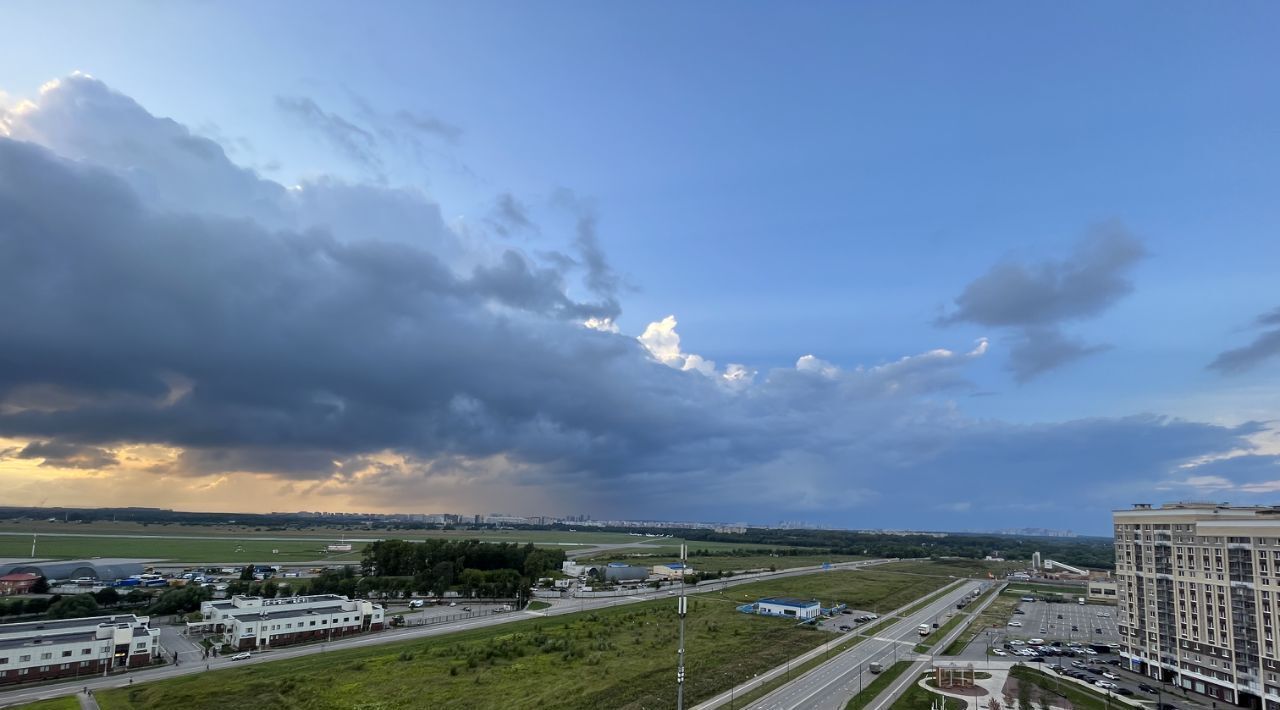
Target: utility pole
[(682, 608)]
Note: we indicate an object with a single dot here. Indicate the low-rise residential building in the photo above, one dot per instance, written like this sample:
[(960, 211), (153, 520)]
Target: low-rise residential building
[(253, 622), (60, 648)]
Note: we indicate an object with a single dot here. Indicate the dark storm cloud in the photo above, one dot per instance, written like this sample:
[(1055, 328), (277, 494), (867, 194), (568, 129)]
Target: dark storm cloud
[(350, 139), (1038, 350), (67, 455), (1035, 299), (1082, 285), (1264, 347), (166, 296)]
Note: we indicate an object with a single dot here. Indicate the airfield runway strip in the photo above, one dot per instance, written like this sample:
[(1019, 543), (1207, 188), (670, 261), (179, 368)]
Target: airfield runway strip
[(18, 696)]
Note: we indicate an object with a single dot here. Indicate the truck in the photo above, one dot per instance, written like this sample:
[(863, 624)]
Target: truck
[(1080, 601), (875, 667), (924, 629)]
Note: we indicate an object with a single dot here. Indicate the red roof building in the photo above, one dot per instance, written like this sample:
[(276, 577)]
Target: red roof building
[(17, 583)]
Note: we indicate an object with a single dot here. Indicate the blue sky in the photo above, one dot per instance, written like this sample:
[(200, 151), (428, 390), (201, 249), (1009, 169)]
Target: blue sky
[(786, 181)]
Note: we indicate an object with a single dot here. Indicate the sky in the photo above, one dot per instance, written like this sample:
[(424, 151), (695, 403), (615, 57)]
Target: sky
[(865, 265)]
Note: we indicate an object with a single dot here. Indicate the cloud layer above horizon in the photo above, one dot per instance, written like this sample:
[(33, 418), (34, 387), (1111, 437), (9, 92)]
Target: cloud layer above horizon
[(344, 340)]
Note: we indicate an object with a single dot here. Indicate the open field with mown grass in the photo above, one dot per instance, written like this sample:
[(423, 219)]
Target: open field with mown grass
[(67, 703), (177, 550), (954, 567), (721, 563), (623, 657)]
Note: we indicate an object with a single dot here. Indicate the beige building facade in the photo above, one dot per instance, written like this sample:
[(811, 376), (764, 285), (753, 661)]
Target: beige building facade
[(1198, 585)]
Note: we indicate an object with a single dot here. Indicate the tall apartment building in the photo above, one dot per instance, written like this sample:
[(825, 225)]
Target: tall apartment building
[(1198, 587)]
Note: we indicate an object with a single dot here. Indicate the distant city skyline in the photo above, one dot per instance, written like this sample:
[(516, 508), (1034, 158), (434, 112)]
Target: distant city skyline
[(865, 266)]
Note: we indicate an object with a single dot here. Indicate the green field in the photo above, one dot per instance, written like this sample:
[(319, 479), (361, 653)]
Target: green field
[(177, 550), (622, 657), (723, 563), (66, 703)]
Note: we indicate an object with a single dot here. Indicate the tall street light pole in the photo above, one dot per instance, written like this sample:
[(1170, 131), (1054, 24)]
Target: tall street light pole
[(682, 608)]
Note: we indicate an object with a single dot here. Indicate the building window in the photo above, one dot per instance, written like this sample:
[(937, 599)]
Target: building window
[(66, 666), (46, 656), (84, 664), (66, 653), (86, 651)]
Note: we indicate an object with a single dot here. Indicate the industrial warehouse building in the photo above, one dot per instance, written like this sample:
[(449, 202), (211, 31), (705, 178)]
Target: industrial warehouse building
[(105, 570), (253, 622), (673, 570), (622, 572), (803, 609), (60, 648)]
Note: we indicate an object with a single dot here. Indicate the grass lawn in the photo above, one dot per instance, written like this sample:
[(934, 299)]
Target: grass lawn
[(65, 703), (877, 686), (178, 550), (538, 605), (623, 657), (917, 698), (1053, 688), (721, 563), (957, 567)]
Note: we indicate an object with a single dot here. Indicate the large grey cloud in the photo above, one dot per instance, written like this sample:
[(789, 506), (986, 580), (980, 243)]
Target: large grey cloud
[(1265, 346), (158, 295), (1034, 300)]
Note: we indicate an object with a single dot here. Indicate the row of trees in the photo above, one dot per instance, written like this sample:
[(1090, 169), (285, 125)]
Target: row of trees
[(400, 558)]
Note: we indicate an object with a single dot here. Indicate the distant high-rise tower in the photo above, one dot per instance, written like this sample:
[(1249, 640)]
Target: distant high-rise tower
[(1035, 560)]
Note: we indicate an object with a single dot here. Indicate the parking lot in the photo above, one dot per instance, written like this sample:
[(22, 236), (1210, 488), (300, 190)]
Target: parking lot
[(1087, 623)]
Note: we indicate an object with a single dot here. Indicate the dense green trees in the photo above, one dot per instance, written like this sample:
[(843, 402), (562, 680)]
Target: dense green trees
[(476, 568), (180, 600), (73, 607)]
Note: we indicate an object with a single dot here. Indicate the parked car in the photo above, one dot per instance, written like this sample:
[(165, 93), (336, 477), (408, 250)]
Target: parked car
[(1106, 684), (1146, 688), (1110, 676), (846, 627), (1000, 652), (241, 656), (1123, 691), (1016, 624)]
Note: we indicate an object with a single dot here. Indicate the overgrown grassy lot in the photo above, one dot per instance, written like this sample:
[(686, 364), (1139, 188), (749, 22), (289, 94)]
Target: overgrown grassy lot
[(623, 657)]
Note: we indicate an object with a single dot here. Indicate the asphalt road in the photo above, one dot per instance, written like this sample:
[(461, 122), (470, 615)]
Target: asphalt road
[(829, 686), (27, 694)]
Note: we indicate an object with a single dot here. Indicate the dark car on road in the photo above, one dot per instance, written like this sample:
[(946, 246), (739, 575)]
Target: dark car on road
[(1146, 688)]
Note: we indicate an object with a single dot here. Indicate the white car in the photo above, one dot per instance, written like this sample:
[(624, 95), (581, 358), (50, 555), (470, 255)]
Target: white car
[(241, 656), (1110, 676), (1106, 684), (1016, 642), (1036, 642), (1089, 651), (999, 652), (1017, 624)]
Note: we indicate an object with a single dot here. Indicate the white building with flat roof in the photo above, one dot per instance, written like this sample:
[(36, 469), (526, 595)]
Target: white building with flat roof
[(253, 622), (59, 648), (803, 609)]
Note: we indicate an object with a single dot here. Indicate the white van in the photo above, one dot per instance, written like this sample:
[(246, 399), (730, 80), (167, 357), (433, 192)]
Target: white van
[(416, 604)]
